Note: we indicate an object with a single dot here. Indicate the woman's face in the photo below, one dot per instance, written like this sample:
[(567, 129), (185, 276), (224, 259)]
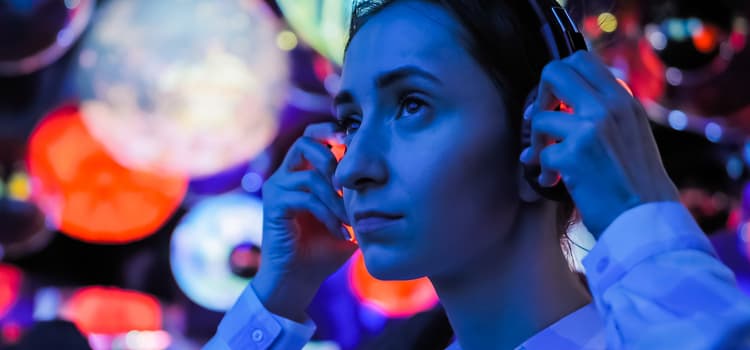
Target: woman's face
[(428, 145)]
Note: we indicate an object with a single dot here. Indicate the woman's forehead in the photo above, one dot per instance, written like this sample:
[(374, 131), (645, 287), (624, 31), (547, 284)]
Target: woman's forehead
[(414, 33)]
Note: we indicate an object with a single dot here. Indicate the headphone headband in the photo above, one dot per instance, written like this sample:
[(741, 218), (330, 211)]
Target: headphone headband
[(562, 38)]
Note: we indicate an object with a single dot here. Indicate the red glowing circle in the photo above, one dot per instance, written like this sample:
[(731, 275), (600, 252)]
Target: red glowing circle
[(705, 38), (86, 193), (392, 298), (103, 310)]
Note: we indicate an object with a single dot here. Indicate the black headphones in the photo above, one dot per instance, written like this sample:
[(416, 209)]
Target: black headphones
[(562, 38)]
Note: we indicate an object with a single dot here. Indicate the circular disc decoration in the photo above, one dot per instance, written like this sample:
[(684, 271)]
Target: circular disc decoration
[(323, 24), (203, 243), (35, 33), (183, 86), (392, 298), (88, 195)]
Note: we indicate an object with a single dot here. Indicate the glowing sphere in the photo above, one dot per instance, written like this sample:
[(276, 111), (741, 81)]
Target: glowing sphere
[(392, 298), (34, 34), (105, 310), (323, 24), (209, 242), (183, 86), (88, 195)]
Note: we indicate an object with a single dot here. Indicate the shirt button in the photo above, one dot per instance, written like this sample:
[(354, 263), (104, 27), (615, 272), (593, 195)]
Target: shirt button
[(602, 265), (257, 335)]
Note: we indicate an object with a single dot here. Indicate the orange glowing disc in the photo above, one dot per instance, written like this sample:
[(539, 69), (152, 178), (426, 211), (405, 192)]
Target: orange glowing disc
[(104, 310), (88, 195), (392, 298)]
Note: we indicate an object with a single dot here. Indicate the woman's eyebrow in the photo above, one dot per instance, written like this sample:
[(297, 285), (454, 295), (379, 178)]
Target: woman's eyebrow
[(388, 78), (392, 76)]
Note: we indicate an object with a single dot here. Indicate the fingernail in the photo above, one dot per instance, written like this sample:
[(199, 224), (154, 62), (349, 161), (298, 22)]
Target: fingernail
[(525, 155), (539, 180), (527, 112)]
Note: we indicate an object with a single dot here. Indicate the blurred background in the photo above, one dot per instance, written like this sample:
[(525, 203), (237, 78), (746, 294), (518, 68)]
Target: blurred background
[(135, 136)]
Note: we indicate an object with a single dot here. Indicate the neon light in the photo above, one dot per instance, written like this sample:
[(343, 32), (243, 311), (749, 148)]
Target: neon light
[(86, 193), (104, 310), (392, 298)]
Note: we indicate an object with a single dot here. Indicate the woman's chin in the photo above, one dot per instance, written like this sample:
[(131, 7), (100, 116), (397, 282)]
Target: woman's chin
[(388, 265)]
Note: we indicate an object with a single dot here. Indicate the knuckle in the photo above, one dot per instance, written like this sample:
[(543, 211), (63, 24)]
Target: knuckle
[(307, 199), (312, 128), (589, 133), (598, 111), (546, 157), (577, 58), (550, 70), (309, 176), (304, 142)]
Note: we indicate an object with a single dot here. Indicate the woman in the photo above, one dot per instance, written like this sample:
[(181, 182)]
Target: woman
[(431, 100)]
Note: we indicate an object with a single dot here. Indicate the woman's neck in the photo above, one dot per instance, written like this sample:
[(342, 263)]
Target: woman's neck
[(516, 289)]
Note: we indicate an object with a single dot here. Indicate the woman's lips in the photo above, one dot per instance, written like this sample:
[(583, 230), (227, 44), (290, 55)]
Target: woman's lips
[(372, 224)]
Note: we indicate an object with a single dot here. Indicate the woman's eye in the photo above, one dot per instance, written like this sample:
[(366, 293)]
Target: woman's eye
[(410, 106), (348, 124)]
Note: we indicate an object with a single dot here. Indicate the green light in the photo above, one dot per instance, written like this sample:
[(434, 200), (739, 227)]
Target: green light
[(322, 24)]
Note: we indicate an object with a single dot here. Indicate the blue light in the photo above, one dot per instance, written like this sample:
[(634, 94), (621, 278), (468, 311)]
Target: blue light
[(678, 120), (713, 132)]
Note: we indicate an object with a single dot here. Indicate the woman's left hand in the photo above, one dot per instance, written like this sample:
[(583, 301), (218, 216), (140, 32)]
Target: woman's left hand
[(606, 154)]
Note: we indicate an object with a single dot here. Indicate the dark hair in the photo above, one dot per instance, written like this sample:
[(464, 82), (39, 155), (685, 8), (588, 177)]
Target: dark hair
[(503, 36)]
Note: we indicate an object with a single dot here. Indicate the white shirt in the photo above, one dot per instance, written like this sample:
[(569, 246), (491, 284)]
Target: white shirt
[(655, 280)]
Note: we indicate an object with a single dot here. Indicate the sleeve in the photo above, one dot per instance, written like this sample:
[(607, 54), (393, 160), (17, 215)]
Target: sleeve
[(658, 284), (249, 325)]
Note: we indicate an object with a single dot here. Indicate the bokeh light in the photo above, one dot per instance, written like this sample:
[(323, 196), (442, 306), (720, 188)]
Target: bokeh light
[(202, 246), (286, 40), (607, 22), (10, 287), (183, 86), (34, 34), (23, 229), (108, 310), (327, 30), (392, 298), (88, 195)]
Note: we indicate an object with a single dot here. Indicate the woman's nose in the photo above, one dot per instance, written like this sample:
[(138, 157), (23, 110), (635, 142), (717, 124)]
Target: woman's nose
[(363, 164)]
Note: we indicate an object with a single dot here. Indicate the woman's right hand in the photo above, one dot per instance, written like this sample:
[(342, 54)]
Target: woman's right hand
[(304, 240)]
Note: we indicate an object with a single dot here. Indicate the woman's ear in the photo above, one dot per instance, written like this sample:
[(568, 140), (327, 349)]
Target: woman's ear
[(525, 191)]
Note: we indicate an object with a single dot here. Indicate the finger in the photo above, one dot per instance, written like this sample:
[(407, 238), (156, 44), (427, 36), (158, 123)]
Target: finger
[(595, 72), (325, 133), (296, 202), (619, 100), (560, 83), (307, 153), (313, 182), (546, 128), (329, 135), (552, 161)]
